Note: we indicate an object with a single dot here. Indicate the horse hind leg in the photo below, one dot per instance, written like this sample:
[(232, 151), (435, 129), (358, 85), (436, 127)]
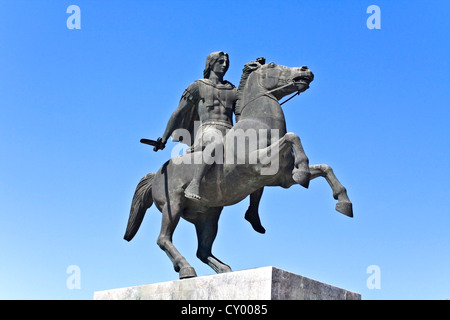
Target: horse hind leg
[(170, 218), (344, 204), (206, 226)]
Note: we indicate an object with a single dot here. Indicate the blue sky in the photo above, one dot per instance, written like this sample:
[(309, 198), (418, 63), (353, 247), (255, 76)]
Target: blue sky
[(74, 104)]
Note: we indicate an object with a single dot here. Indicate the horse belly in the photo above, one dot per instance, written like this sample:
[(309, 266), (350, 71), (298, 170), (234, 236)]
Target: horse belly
[(226, 185)]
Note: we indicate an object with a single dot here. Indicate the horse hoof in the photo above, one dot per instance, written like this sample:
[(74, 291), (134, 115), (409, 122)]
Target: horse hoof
[(302, 178), (187, 272), (345, 207), (225, 269)]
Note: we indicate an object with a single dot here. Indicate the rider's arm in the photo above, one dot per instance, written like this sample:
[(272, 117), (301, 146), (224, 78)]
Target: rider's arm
[(174, 120), (187, 101)]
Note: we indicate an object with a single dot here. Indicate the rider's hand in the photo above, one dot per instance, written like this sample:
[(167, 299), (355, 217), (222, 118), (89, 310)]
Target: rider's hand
[(161, 145)]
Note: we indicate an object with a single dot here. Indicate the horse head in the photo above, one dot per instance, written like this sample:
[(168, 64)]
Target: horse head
[(281, 80), (271, 79)]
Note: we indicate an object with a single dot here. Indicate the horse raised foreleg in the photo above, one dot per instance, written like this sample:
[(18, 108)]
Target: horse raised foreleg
[(206, 226), (170, 218), (270, 157), (343, 205), (301, 172), (277, 155)]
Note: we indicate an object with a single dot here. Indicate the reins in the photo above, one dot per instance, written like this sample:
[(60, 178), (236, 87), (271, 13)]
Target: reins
[(272, 97), (295, 94)]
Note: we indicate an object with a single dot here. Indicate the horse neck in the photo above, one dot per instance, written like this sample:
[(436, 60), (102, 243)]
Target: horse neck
[(260, 104)]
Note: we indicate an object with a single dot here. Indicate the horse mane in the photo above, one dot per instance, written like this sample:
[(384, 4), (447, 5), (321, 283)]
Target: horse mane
[(246, 71)]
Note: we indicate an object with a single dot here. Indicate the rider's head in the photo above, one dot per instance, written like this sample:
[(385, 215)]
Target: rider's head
[(211, 60)]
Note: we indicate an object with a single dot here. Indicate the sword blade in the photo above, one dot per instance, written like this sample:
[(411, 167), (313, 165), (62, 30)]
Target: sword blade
[(150, 142)]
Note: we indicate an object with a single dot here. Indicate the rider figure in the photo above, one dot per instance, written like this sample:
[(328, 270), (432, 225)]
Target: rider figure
[(211, 101)]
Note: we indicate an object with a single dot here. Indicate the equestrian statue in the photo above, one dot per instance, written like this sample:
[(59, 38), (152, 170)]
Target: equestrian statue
[(226, 163)]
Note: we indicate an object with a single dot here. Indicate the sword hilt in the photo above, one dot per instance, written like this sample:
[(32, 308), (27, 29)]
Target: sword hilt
[(158, 144)]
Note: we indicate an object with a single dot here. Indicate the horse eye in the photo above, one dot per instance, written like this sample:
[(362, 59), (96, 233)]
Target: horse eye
[(271, 65)]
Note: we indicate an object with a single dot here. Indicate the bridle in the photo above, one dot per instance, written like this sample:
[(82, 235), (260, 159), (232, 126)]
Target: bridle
[(271, 96)]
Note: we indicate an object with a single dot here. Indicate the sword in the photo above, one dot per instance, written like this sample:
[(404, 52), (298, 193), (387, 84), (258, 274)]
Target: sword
[(157, 144)]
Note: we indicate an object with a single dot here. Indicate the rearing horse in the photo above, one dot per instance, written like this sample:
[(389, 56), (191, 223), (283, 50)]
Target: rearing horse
[(266, 155)]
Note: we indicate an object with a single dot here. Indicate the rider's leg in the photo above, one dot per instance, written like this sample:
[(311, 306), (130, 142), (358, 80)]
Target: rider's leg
[(193, 189), (212, 139), (208, 159), (252, 214)]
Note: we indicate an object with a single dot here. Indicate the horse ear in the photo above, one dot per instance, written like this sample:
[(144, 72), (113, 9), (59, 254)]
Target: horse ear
[(252, 66)]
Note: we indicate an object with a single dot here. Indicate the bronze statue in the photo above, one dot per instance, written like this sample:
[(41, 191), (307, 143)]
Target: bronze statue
[(266, 155), (211, 102)]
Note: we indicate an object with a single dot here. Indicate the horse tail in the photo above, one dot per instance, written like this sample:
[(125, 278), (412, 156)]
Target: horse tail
[(142, 200)]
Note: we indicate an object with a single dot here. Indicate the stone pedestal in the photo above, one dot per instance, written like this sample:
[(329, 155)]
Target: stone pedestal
[(267, 283)]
